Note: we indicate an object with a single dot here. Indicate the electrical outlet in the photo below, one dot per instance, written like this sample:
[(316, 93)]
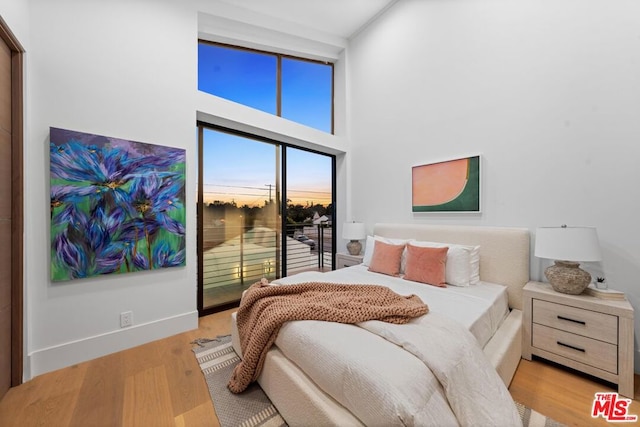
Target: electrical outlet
[(126, 319)]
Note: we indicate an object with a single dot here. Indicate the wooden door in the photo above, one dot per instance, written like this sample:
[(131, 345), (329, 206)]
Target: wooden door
[(5, 218), (11, 230)]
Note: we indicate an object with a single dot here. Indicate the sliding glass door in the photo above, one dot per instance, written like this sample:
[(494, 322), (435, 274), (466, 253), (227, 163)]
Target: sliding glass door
[(309, 207), (264, 210)]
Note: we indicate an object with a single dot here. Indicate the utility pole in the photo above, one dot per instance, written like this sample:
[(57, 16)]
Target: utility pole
[(269, 185)]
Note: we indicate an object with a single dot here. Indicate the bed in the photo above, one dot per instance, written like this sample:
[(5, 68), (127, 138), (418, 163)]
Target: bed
[(307, 385)]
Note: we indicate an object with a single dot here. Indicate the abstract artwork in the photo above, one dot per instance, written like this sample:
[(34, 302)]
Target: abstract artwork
[(449, 186), (117, 206)]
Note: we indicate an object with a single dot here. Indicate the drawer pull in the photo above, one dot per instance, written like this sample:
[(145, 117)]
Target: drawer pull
[(572, 320), (571, 346)]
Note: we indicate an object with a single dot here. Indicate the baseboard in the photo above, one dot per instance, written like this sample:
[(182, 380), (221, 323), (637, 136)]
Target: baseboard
[(67, 354)]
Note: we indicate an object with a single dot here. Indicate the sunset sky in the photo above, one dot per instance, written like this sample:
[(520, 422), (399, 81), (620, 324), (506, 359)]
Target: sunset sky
[(241, 170)]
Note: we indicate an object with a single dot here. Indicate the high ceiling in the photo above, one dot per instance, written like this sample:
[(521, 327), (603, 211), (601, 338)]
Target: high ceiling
[(341, 18)]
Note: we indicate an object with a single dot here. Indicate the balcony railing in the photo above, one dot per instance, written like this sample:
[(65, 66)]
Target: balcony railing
[(243, 255)]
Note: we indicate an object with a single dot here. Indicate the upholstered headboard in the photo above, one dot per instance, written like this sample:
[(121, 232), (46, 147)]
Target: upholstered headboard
[(504, 251)]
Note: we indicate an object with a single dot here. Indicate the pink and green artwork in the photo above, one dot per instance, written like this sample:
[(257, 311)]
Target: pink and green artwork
[(448, 186), (117, 206)]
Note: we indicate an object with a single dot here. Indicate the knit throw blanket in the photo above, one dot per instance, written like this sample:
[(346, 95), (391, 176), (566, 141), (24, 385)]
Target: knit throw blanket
[(264, 308)]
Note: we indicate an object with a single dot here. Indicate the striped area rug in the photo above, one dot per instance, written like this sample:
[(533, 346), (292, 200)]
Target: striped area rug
[(253, 408), (531, 418), (248, 409)]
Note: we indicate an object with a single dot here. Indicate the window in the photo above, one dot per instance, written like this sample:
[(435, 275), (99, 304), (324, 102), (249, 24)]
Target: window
[(306, 96), (296, 89), (265, 209)]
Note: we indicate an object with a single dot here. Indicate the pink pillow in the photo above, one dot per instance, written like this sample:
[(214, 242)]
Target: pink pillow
[(426, 265), (386, 258)]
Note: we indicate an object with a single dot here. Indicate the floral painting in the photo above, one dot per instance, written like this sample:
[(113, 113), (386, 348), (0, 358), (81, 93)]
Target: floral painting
[(117, 206)]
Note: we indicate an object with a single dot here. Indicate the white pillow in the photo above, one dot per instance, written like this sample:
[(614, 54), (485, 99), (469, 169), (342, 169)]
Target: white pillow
[(370, 244), (475, 265), (457, 271)]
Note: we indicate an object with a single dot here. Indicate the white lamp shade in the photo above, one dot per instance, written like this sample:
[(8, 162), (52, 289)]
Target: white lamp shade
[(577, 244), (353, 231)]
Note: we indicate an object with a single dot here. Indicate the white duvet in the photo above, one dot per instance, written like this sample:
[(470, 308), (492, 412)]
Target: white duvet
[(430, 372)]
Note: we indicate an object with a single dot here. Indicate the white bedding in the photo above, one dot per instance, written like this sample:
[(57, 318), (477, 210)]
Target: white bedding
[(390, 384), (479, 308)]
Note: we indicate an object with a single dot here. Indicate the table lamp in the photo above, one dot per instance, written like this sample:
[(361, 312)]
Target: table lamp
[(354, 231), (568, 246)]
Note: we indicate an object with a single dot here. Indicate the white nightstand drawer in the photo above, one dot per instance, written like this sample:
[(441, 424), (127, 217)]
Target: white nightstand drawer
[(347, 260), (591, 324), (575, 347)]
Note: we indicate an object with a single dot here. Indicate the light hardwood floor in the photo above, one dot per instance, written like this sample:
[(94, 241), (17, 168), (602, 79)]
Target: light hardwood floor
[(160, 384), (561, 394)]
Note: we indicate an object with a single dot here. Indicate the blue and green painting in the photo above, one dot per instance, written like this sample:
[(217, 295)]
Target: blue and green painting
[(117, 206)]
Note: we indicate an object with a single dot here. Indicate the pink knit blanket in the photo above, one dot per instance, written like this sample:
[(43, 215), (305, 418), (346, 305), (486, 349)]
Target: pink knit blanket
[(265, 308)]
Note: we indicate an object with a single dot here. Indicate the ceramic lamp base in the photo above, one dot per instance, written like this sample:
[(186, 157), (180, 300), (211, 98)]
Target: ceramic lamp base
[(567, 277), (354, 247)]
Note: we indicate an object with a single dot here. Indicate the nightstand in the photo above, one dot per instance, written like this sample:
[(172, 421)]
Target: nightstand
[(347, 260), (586, 333)]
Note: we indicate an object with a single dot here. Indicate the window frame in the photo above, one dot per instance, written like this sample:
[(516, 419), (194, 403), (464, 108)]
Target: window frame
[(279, 57), (201, 126)]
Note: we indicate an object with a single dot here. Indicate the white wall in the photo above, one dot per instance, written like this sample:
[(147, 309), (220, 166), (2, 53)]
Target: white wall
[(15, 14), (126, 69), (547, 91), (122, 69)]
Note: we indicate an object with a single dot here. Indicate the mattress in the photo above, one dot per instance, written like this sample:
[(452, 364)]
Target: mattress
[(479, 308)]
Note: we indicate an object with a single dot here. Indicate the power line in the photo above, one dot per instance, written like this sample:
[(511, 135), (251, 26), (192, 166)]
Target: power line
[(289, 190), (233, 194), (234, 186), (307, 191)]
